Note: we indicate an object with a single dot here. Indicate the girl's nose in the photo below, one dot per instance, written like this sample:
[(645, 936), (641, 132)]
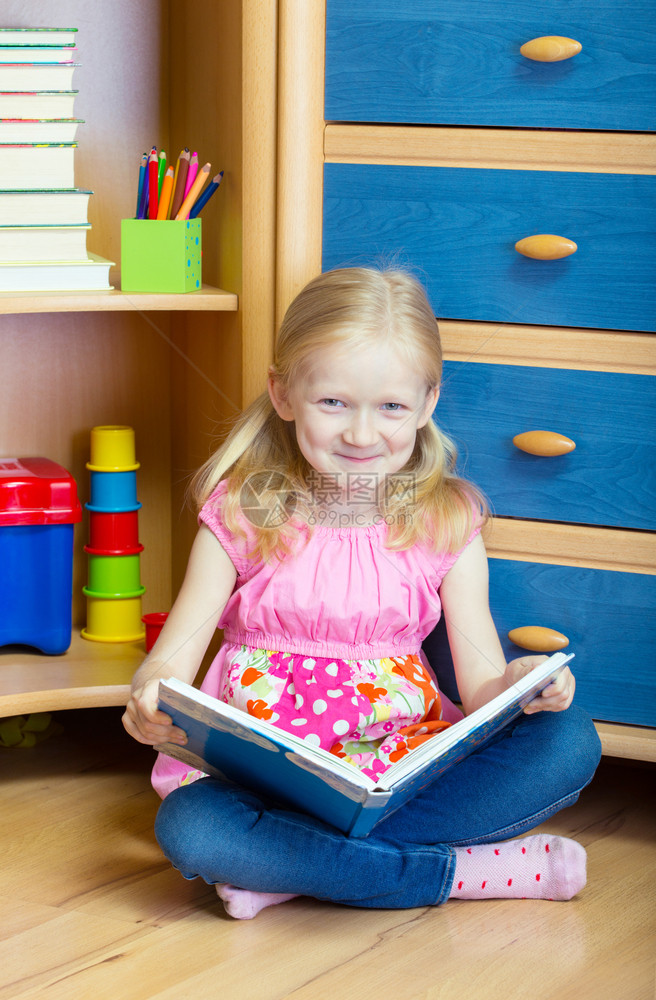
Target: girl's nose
[(360, 431)]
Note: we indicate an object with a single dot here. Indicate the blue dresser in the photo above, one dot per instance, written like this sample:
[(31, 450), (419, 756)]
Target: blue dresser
[(436, 113)]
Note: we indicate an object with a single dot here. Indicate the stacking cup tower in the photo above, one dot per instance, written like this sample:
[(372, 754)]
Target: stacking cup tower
[(114, 587)]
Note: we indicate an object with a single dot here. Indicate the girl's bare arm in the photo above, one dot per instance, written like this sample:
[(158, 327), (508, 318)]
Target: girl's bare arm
[(182, 643)]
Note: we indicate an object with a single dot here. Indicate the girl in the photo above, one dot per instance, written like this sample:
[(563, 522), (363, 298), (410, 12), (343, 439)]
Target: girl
[(333, 533)]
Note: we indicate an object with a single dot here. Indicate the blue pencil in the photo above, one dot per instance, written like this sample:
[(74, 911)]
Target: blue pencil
[(206, 195), (142, 175)]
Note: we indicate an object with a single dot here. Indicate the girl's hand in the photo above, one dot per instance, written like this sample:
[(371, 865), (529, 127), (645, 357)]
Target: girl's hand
[(555, 698), (145, 723)]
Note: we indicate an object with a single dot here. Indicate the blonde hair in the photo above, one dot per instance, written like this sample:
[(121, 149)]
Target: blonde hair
[(347, 308)]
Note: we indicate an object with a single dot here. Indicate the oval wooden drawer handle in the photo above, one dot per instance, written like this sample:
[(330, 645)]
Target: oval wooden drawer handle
[(538, 639), (546, 246), (548, 444), (550, 48)]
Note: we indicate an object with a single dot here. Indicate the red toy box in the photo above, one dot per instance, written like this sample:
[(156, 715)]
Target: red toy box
[(38, 509)]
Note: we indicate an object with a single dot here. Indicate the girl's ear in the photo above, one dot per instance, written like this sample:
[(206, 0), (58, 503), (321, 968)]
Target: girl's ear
[(429, 406), (278, 397)]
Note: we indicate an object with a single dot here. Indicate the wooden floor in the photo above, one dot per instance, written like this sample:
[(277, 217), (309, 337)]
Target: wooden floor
[(89, 909)]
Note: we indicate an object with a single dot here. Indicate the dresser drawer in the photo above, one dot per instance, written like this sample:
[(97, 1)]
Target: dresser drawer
[(458, 227), (609, 479), (607, 617), (459, 62)]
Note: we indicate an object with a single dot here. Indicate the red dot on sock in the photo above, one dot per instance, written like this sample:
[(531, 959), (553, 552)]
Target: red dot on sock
[(483, 885), (546, 847), (469, 850), (537, 877), (509, 881), (523, 850), (496, 851), (460, 885)]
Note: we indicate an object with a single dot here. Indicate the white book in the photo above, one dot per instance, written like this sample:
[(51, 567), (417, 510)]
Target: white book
[(43, 243), (35, 166), (38, 36), (47, 207), (228, 743), (37, 53), (34, 76), (90, 275), (42, 104), (22, 131)]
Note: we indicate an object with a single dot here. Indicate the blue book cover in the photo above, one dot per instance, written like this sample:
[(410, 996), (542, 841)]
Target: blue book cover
[(225, 742)]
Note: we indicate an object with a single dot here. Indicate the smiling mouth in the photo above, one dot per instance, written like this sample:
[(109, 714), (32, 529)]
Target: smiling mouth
[(358, 458)]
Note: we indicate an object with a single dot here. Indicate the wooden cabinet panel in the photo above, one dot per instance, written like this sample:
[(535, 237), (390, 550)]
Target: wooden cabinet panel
[(608, 479), (458, 228), (459, 62)]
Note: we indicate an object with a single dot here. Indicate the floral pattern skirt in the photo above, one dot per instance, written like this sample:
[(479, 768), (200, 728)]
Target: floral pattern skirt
[(370, 712)]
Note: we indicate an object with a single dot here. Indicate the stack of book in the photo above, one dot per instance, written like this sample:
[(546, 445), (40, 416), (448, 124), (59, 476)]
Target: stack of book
[(43, 216)]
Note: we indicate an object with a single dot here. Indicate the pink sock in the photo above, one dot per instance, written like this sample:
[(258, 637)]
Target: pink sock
[(244, 904), (537, 867)]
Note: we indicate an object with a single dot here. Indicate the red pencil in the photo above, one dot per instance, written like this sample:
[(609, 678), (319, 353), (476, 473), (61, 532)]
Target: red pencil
[(153, 184)]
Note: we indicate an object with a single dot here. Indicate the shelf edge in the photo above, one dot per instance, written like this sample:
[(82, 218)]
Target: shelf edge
[(208, 299), (62, 699)]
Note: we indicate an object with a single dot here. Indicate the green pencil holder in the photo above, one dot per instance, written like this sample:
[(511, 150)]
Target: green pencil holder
[(161, 256)]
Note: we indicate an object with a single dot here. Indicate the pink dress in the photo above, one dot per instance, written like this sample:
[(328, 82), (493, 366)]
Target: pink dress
[(326, 643)]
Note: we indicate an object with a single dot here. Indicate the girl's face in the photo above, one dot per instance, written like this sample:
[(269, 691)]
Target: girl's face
[(357, 411)]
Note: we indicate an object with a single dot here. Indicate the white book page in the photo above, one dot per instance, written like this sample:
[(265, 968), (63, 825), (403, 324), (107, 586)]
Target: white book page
[(533, 682)]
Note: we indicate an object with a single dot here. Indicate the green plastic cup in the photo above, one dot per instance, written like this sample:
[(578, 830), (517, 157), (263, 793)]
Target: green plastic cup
[(114, 576)]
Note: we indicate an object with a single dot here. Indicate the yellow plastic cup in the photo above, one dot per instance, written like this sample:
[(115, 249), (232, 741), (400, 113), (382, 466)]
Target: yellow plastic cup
[(116, 620), (112, 449)]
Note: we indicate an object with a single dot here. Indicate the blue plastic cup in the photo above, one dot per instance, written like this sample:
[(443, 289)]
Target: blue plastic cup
[(113, 491)]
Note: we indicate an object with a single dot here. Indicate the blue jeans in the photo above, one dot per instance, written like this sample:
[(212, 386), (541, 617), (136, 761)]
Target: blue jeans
[(538, 765)]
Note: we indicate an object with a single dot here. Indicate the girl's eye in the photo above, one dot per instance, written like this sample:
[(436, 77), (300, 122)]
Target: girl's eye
[(331, 402), (392, 407)]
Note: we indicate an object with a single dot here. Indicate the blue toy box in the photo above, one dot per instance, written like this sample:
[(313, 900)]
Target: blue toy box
[(38, 509)]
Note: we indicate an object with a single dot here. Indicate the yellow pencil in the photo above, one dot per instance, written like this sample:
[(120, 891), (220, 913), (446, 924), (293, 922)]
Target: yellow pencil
[(165, 195), (194, 191)]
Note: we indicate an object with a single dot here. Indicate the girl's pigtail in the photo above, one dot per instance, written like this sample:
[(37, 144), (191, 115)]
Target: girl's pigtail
[(244, 434)]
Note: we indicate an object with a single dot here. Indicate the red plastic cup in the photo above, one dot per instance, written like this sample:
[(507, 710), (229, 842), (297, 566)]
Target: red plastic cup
[(114, 534), (153, 621)]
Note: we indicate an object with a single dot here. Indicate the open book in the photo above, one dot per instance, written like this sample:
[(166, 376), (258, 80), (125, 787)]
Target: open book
[(225, 742)]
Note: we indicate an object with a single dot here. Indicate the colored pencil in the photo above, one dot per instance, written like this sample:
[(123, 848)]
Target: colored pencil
[(165, 194), (142, 179), (178, 195), (196, 188), (152, 185), (161, 171), (175, 180), (206, 195), (191, 176)]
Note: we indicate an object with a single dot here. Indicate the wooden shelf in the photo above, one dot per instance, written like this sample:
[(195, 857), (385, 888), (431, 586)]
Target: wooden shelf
[(207, 299), (89, 675), (73, 360)]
